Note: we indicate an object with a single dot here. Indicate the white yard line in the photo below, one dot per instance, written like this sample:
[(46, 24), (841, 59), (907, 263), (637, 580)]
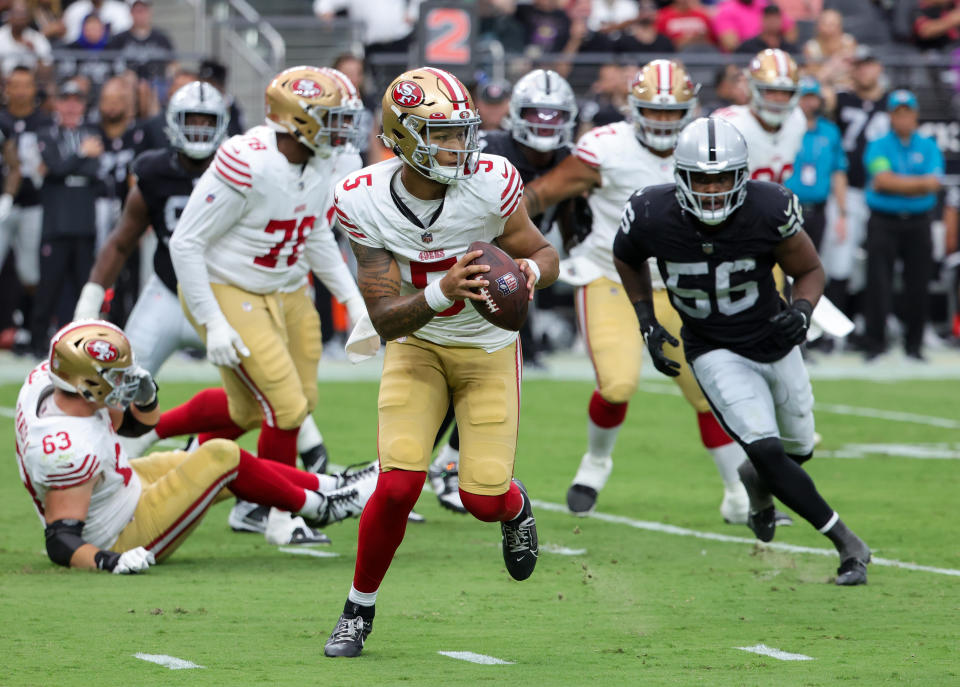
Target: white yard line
[(765, 650), (471, 657), (296, 550), (171, 662), (713, 536), (562, 550)]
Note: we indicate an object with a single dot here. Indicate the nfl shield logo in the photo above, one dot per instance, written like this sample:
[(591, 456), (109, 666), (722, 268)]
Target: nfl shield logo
[(426, 237), (507, 284)]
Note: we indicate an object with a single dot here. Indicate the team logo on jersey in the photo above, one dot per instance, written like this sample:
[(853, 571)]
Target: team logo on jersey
[(407, 94), (507, 284), (306, 88), (210, 198), (101, 350)]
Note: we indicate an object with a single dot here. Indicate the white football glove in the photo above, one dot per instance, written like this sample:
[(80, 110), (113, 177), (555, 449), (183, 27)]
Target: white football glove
[(134, 561), (90, 301), (147, 389), (6, 205), (223, 344)]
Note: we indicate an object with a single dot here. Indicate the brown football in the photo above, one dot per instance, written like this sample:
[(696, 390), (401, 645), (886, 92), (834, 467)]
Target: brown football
[(506, 298)]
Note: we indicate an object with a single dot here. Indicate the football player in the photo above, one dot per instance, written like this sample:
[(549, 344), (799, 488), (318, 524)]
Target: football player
[(610, 163), (772, 124), (716, 237), (102, 510), (538, 135), (411, 220), (253, 228)]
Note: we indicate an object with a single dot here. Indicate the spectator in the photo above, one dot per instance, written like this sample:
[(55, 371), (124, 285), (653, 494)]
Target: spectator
[(387, 24), (497, 21), (21, 228), (546, 25), (94, 34), (685, 23), (609, 14), (493, 103), (936, 24), (730, 86), (114, 14), (145, 49), (801, 10), (47, 16), (642, 35), (87, 59), (215, 74), (70, 150), (22, 45), (770, 36), (904, 175), (737, 20), (820, 168), (830, 52)]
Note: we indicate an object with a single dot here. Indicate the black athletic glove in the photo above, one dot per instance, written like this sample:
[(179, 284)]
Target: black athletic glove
[(655, 336), (791, 325), (575, 219)]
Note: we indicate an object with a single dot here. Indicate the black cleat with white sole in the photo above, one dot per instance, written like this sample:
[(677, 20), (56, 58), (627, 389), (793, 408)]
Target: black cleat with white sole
[(763, 523), (349, 634), (520, 544), (852, 572), (581, 499), (315, 459)]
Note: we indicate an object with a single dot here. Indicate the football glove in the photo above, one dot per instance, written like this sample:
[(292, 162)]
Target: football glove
[(224, 344), (90, 301), (655, 337), (146, 394), (791, 325), (134, 561)]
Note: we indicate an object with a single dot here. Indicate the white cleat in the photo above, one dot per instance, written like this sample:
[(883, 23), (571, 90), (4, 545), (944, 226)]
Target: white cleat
[(347, 501), (735, 506), (284, 528)]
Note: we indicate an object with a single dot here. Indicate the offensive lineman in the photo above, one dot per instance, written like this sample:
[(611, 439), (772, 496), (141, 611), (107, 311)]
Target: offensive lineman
[(103, 511), (716, 237), (411, 220), (252, 229), (611, 162)]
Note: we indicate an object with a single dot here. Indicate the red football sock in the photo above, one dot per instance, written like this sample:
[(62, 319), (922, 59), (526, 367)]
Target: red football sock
[(711, 433), (278, 444), (383, 524), (605, 414), (231, 434), (305, 480), (205, 412), (257, 482), (494, 508)]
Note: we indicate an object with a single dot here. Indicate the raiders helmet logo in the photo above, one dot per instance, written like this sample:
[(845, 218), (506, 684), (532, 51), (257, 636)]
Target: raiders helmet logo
[(101, 350), (407, 94), (306, 88)]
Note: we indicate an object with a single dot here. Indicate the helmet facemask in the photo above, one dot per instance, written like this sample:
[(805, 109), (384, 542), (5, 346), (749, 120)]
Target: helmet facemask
[(772, 113), (660, 134), (196, 141), (543, 128), (711, 208), (457, 136)]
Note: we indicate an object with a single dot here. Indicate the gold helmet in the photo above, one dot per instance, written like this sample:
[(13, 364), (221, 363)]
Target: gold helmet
[(93, 358), (662, 85), (773, 70), (309, 105), (425, 111)]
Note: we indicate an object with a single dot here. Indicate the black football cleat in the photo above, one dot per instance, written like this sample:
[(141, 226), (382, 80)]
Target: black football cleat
[(581, 499), (348, 637), (852, 572), (521, 548), (763, 523), (315, 459), (782, 519)]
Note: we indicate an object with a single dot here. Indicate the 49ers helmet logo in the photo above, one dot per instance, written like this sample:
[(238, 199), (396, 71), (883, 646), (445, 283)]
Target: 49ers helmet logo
[(407, 94), (306, 88), (101, 350)]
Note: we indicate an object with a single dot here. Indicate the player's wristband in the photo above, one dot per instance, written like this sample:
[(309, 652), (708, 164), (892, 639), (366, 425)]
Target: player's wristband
[(106, 560), (436, 299), (535, 268), (805, 307)]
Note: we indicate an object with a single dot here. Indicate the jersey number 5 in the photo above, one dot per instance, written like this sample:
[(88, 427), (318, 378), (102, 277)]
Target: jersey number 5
[(291, 232), (700, 307), (418, 275)]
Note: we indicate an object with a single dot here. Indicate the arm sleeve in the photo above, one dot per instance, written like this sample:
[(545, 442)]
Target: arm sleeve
[(213, 209), (326, 261)]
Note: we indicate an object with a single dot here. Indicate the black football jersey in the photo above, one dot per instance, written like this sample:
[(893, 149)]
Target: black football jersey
[(116, 160), (720, 279), (166, 187), (860, 121)]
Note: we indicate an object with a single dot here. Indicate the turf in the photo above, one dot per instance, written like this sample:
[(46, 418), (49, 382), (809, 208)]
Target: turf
[(638, 607)]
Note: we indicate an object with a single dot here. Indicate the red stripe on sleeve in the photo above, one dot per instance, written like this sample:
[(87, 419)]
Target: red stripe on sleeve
[(226, 177)]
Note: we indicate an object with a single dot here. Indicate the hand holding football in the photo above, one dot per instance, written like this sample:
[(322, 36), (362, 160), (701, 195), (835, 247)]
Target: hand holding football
[(505, 300)]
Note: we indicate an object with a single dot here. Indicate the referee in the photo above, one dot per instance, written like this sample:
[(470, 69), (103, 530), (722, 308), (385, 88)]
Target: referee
[(904, 171)]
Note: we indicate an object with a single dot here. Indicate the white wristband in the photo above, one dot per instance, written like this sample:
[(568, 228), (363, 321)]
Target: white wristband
[(437, 301), (535, 268)]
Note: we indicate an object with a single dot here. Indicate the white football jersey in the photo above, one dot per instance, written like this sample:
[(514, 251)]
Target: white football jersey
[(282, 214), (474, 209), (625, 166), (58, 451), (770, 155)]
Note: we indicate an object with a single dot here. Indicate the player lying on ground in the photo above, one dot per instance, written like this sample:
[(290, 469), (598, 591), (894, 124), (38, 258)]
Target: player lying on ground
[(100, 509), (716, 237)]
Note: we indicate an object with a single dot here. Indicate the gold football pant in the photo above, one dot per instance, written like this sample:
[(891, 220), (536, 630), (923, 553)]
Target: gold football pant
[(178, 488), (277, 382), (418, 380)]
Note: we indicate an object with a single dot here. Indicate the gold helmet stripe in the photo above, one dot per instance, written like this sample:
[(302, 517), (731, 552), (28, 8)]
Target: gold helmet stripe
[(345, 83), (665, 77), (783, 67), (457, 94)]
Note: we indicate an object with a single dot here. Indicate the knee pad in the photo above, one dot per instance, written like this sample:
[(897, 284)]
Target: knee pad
[(765, 454), (291, 418), (620, 391), (400, 487), (223, 452)]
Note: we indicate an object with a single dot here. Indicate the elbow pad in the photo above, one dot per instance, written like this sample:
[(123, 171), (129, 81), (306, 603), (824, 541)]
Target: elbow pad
[(63, 538)]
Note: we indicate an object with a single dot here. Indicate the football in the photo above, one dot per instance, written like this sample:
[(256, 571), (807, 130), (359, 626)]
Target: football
[(505, 300)]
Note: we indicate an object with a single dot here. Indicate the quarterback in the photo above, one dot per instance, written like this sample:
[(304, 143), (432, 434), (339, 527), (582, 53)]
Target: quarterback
[(716, 237), (410, 220), (101, 509), (610, 163)]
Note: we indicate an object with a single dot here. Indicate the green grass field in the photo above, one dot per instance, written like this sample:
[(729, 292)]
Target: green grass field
[(636, 606)]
